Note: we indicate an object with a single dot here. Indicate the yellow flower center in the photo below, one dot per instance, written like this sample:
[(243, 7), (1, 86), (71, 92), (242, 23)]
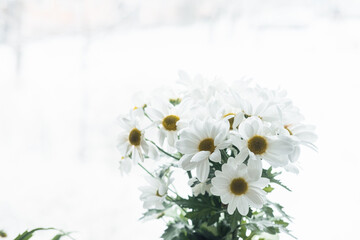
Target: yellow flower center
[(238, 186), (169, 122), (257, 144), (207, 145), (231, 120), (135, 137)]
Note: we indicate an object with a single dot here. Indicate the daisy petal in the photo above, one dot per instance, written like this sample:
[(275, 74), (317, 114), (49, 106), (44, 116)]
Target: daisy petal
[(243, 206), (254, 169), (200, 156), (215, 156), (254, 199), (202, 171)]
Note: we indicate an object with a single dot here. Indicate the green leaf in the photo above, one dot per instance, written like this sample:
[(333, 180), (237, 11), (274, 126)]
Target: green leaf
[(271, 176), (155, 213), (57, 237), (29, 234), (3, 234), (268, 189), (279, 208), (235, 220), (173, 231)]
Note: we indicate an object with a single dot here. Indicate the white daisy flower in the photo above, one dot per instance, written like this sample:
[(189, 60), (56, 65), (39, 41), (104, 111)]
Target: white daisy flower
[(198, 89), (125, 165), (131, 142), (202, 141), (238, 189), (301, 134), (170, 119), (220, 110), (255, 105), (154, 194), (199, 187), (257, 141)]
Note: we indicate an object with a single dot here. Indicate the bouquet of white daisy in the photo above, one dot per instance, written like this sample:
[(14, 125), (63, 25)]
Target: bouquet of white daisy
[(227, 140)]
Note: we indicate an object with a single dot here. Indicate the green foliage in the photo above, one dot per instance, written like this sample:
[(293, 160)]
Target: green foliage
[(204, 208), (268, 189), (175, 231), (153, 213), (3, 234), (29, 234), (175, 101), (271, 176)]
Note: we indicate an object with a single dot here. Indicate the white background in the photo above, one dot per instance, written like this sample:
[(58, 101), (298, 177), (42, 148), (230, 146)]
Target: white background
[(65, 76)]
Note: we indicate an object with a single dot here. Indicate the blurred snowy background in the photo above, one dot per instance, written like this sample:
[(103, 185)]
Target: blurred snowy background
[(68, 68)]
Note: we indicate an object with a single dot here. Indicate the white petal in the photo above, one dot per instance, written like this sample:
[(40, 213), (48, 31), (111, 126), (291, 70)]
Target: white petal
[(292, 168), (185, 162), (248, 130), (238, 119), (294, 156), (279, 147), (202, 170), (226, 198), (237, 141), (190, 135), (261, 183), (255, 199), (243, 205), (153, 152), (241, 157), (254, 169), (276, 160), (215, 191), (162, 135), (171, 136), (232, 205), (215, 156), (154, 114), (186, 146), (220, 182), (144, 146), (200, 156), (220, 137)]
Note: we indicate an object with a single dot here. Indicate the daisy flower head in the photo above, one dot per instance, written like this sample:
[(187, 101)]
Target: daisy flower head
[(257, 141), (238, 189), (169, 118), (253, 103), (201, 142), (125, 165), (155, 193), (131, 141), (301, 134), (220, 110), (198, 89)]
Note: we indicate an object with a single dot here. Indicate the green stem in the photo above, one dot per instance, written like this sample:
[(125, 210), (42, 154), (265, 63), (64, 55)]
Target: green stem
[(172, 200), (162, 150), (145, 169), (189, 174), (235, 234)]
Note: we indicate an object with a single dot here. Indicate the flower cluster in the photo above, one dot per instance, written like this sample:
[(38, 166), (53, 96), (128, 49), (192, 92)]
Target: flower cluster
[(227, 139)]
